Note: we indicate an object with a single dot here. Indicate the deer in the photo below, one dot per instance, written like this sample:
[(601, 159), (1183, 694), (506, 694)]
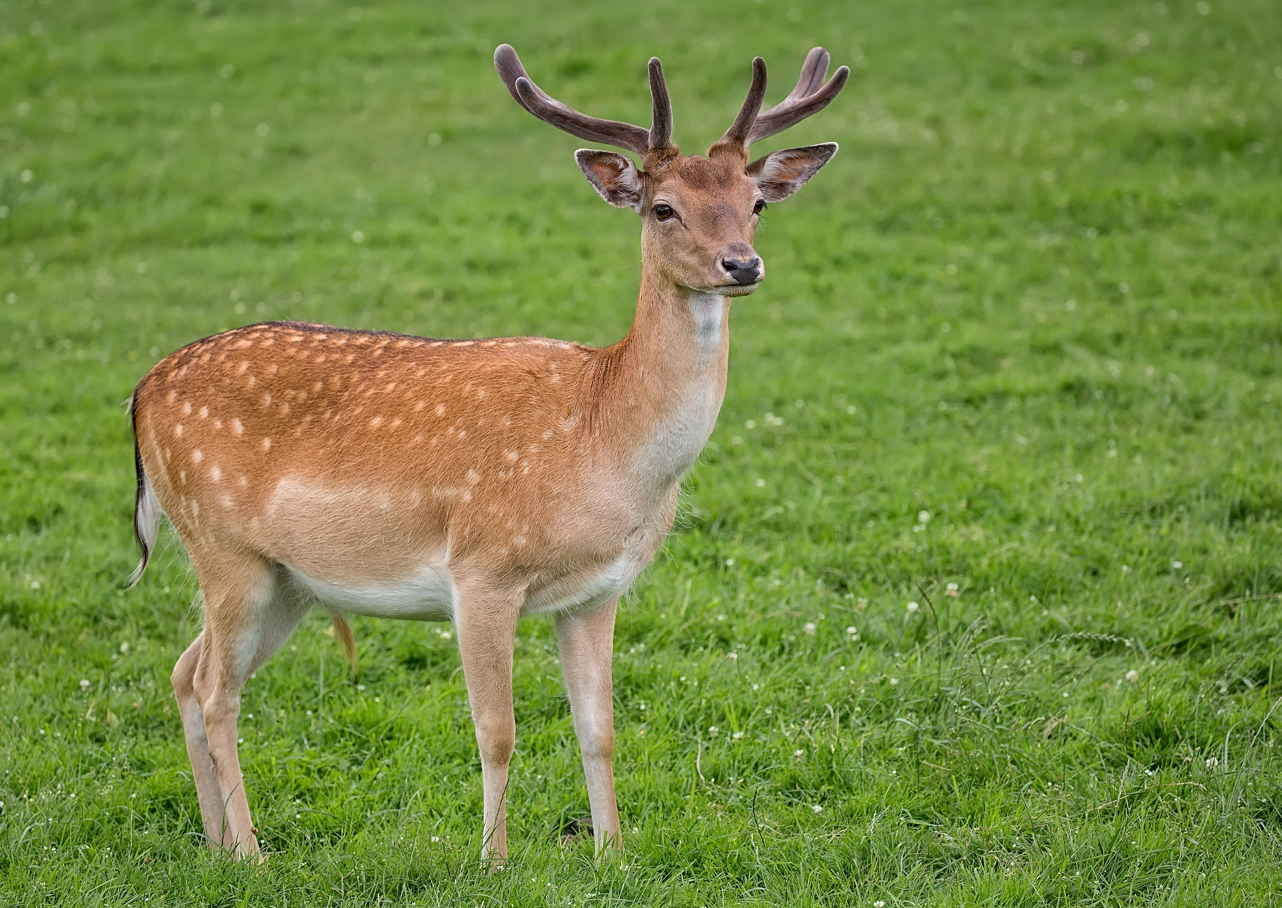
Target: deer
[(473, 481)]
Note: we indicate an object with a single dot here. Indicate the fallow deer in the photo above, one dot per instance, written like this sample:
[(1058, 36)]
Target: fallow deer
[(472, 481)]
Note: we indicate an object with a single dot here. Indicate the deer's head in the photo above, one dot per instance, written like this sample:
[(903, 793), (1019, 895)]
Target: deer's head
[(698, 213)]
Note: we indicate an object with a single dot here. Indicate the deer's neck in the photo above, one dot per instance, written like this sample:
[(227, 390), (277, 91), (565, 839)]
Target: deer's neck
[(655, 395)]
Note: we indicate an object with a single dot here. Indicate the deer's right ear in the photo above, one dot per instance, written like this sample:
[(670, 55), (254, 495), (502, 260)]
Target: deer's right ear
[(613, 176)]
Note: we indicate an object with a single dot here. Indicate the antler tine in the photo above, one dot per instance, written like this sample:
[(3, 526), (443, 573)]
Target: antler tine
[(813, 72), (661, 127), (809, 97), (542, 105), (738, 132)]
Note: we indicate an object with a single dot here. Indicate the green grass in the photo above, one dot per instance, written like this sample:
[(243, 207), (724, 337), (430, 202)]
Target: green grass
[(1036, 297)]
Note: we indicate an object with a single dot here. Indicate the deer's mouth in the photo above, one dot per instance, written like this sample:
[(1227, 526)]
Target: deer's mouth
[(736, 289)]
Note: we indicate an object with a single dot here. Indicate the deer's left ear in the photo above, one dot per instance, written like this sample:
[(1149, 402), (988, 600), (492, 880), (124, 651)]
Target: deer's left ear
[(781, 173), (612, 175)]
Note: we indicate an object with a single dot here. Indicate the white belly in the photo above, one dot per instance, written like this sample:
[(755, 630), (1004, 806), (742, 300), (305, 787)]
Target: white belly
[(426, 595), (585, 590)]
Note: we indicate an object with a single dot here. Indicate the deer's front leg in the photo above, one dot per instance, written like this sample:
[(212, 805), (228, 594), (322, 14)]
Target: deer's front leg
[(486, 634), (587, 644)]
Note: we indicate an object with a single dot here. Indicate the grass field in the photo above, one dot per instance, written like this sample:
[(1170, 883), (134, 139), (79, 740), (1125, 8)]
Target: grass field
[(1023, 336)]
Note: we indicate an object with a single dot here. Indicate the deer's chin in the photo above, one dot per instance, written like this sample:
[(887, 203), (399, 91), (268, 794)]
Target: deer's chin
[(731, 289)]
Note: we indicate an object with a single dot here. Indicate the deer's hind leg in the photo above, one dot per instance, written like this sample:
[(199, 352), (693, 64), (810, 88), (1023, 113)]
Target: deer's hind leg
[(202, 765), (249, 612)]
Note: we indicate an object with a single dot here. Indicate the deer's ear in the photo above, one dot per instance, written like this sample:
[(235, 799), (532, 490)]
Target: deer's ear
[(613, 176), (781, 173)]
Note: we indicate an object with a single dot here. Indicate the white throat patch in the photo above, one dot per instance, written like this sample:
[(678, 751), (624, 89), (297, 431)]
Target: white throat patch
[(709, 312)]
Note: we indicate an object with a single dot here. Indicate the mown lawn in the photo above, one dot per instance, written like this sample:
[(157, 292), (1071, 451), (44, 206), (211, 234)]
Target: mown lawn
[(1018, 361)]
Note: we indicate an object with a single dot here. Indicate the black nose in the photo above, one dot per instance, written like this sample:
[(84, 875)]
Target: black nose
[(748, 272)]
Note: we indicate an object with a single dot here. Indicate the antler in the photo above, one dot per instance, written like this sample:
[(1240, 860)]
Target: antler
[(621, 135), (738, 132), (810, 96)]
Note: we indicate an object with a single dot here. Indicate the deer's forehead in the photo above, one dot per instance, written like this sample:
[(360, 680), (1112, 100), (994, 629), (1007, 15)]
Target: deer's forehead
[(703, 177)]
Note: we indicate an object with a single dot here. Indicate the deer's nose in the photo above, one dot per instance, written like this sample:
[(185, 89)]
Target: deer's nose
[(745, 270)]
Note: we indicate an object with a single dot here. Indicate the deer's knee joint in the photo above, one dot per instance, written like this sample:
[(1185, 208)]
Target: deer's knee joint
[(218, 708), (497, 740), (596, 741)]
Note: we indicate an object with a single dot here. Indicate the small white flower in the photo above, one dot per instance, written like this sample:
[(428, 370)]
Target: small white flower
[(1132, 676), (852, 631), (799, 754), (817, 808), (713, 730), (1212, 763), (810, 628), (732, 657), (1176, 565), (952, 590), (124, 647), (84, 683), (880, 903), (894, 682), (912, 607), (737, 735), (923, 516)]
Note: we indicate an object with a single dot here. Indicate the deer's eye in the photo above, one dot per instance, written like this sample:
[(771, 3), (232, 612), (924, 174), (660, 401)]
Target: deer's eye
[(663, 212), (759, 207)]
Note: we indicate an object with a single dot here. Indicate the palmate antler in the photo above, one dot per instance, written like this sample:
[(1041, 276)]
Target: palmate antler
[(811, 95)]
